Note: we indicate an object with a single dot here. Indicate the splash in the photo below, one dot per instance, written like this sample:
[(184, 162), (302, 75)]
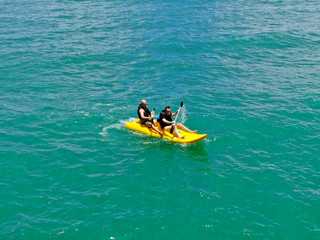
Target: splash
[(183, 118), (120, 125)]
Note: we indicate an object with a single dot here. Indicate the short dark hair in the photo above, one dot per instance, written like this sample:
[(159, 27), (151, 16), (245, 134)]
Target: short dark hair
[(167, 107)]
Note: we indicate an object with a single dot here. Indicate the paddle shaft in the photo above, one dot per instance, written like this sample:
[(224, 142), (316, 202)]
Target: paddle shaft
[(181, 105), (153, 114)]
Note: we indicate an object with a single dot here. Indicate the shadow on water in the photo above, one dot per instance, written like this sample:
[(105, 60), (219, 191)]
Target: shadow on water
[(195, 151)]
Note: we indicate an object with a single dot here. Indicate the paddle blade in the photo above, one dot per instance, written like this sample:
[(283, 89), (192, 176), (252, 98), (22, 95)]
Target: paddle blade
[(153, 109), (181, 104)]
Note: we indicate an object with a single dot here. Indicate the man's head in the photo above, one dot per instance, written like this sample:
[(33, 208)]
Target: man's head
[(144, 103), (168, 110)]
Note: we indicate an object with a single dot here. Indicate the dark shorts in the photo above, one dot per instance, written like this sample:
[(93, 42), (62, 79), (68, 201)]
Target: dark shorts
[(169, 128), (146, 121)]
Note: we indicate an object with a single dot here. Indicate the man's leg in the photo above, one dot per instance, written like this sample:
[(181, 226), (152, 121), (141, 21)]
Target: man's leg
[(177, 132), (149, 124), (180, 125)]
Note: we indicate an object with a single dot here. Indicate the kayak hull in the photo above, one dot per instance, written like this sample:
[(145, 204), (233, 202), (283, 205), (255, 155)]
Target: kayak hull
[(189, 137)]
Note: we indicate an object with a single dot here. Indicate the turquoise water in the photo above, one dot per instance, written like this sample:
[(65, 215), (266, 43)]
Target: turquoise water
[(72, 73)]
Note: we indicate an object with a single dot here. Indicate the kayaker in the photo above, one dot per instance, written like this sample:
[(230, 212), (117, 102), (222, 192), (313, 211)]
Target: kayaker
[(167, 124), (146, 116)]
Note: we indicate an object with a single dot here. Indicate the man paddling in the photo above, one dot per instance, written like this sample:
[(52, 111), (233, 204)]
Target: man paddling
[(145, 116), (166, 123)]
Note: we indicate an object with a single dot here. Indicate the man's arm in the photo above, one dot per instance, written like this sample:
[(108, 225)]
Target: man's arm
[(141, 112), (166, 121), (173, 114)]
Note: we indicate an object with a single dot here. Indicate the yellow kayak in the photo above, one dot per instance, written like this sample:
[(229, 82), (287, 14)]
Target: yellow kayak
[(189, 137)]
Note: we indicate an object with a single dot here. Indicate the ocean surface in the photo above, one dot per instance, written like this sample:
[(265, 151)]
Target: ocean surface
[(72, 74)]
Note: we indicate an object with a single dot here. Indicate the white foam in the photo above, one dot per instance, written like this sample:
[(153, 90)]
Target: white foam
[(101, 105), (182, 118), (120, 125)]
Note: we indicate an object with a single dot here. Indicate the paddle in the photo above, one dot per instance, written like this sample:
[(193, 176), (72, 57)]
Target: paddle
[(152, 115), (181, 105)]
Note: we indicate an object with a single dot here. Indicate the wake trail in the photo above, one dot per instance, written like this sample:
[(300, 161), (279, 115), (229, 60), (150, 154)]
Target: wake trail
[(119, 125)]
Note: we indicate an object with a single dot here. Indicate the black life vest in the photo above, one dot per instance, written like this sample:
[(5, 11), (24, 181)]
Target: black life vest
[(165, 116), (147, 113)]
